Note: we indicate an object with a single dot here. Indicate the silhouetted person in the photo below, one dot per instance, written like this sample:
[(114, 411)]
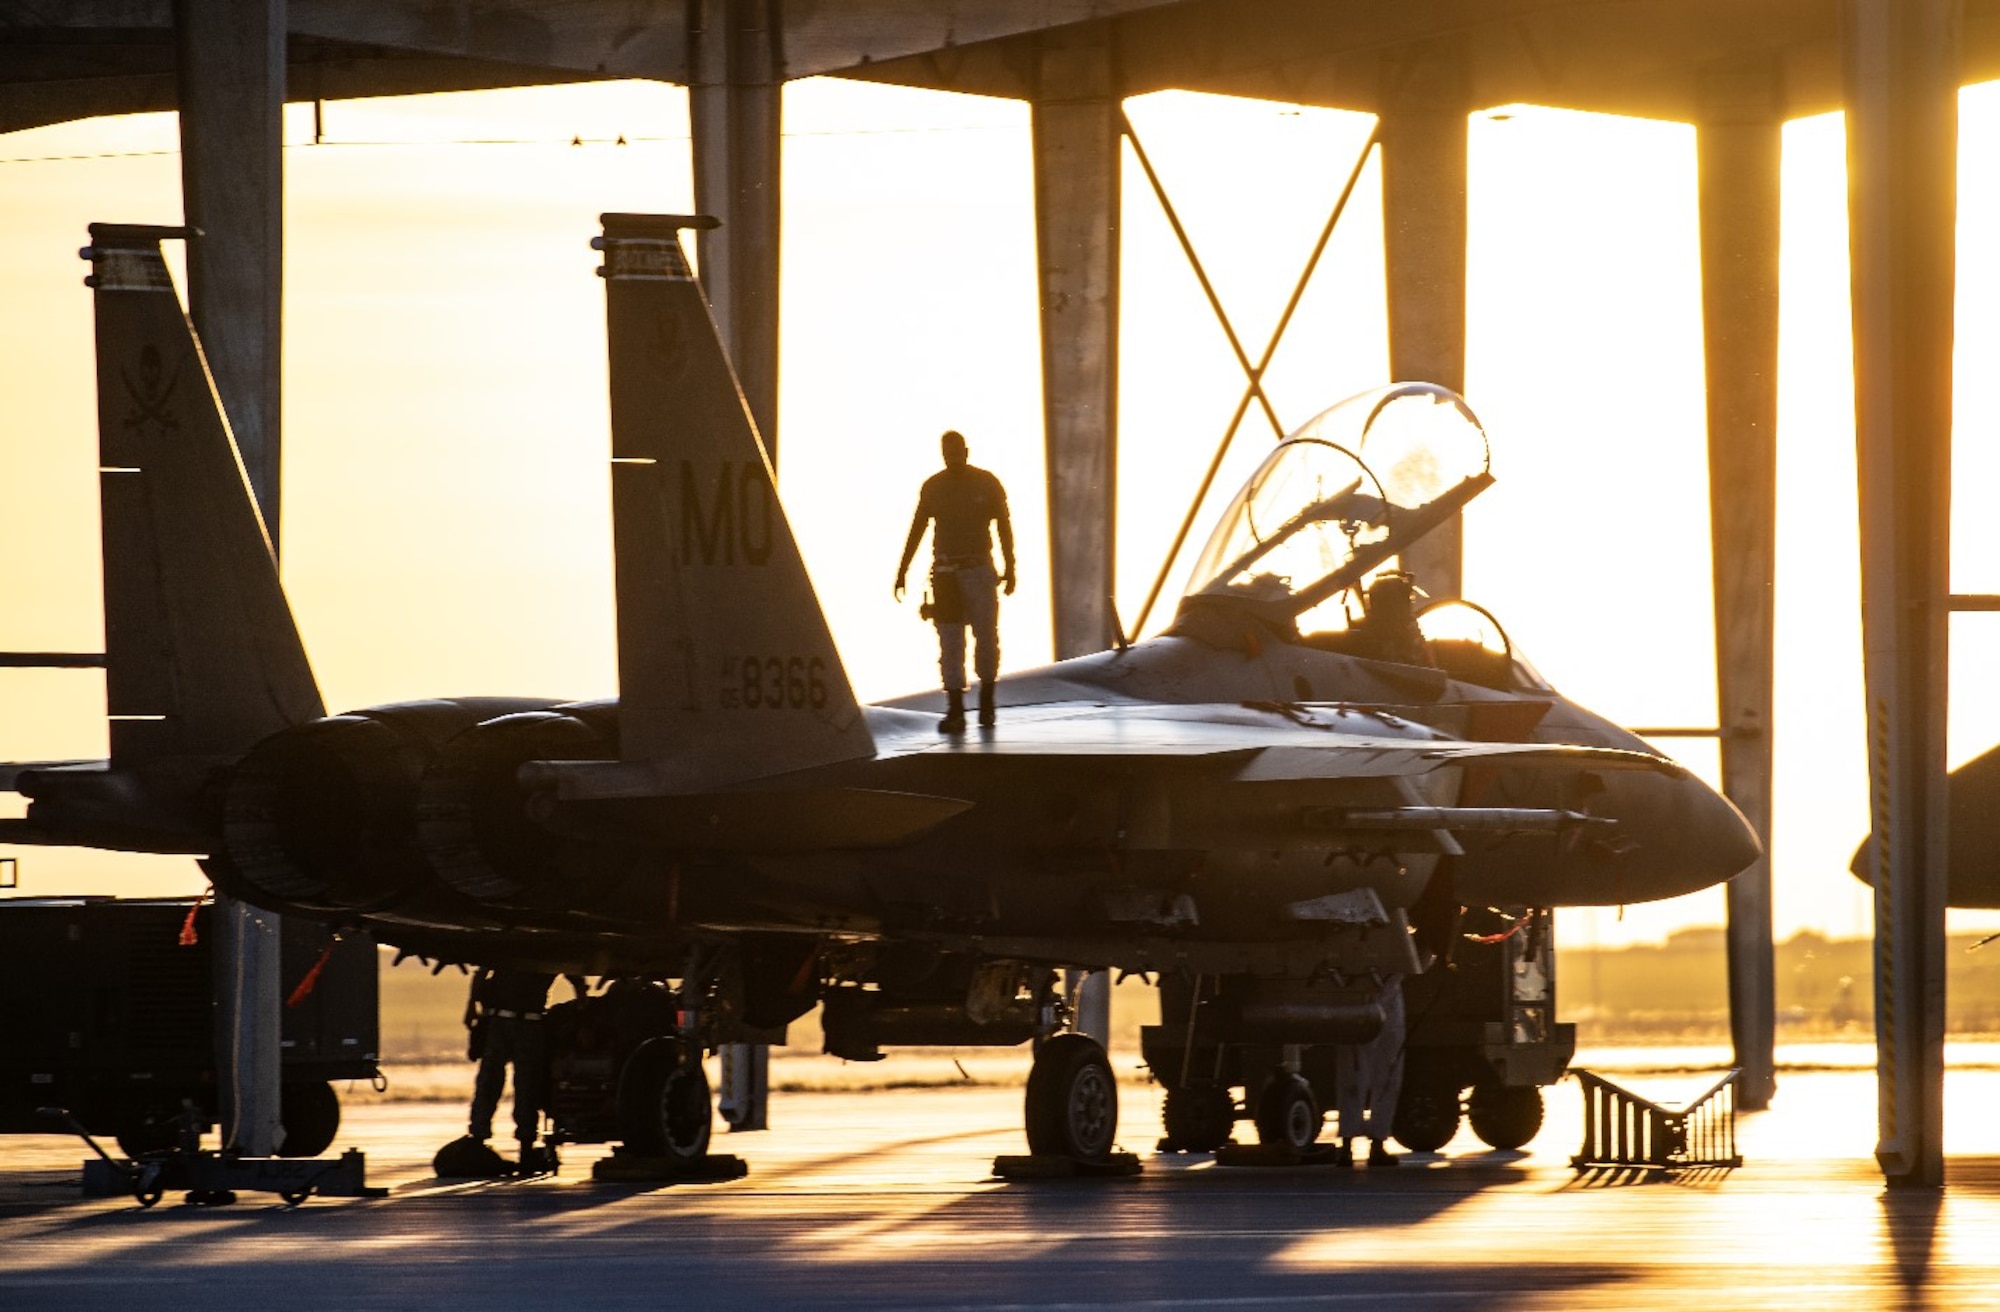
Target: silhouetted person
[(509, 1007), (966, 503), (1368, 1082), (1388, 626)]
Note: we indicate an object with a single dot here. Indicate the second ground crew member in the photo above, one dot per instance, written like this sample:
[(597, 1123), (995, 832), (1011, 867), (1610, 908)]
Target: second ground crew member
[(967, 504), (509, 1007)]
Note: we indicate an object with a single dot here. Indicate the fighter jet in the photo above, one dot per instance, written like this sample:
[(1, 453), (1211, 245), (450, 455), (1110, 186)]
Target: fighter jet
[(1275, 810), (1972, 799)]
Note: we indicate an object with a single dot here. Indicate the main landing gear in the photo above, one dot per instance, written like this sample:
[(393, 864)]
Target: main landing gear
[(1072, 1105), (664, 1108), (1288, 1115)]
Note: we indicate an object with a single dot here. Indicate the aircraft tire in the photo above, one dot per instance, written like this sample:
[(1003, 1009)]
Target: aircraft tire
[(1426, 1116), (1072, 1103), (1198, 1117), (1288, 1116), (310, 1113), (1503, 1116), (664, 1108)]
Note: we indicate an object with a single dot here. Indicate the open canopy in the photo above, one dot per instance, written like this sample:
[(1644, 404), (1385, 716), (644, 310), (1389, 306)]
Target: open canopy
[(1344, 494)]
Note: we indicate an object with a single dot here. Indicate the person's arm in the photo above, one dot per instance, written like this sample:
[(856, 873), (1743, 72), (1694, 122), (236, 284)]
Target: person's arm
[(1006, 527), (918, 522), (475, 997)]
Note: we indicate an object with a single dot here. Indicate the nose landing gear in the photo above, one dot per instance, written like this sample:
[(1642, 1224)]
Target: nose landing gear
[(1072, 1105), (1071, 1115)]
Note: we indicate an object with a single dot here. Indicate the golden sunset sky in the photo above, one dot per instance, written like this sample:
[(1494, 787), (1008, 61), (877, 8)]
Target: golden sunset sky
[(446, 514)]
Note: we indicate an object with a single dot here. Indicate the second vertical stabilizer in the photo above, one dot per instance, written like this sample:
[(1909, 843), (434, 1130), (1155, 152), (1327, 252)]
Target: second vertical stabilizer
[(727, 670)]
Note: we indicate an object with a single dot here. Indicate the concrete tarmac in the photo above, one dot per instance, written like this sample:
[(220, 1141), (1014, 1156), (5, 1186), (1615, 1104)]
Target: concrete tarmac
[(885, 1200)]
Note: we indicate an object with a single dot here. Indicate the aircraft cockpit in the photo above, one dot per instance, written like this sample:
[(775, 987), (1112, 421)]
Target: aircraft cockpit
[(1309, 546), (1466, 642)]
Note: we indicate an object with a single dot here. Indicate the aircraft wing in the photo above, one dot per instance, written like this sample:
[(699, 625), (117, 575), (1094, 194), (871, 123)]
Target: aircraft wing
[(1272, 748)]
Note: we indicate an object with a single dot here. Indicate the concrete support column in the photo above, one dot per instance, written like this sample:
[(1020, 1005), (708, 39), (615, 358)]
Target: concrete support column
[(231, 61), (1739, 147), (231, 75), (1902, 74), (1077, 164), (1424, 228), (1078, 159), (735, 107)]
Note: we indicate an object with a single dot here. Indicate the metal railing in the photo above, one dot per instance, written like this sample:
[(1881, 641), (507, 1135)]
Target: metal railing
[(1621, 1129)]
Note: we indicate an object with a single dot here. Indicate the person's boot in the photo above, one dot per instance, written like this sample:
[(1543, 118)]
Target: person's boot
[(1379, 1154), (954, 715), (985, 705)]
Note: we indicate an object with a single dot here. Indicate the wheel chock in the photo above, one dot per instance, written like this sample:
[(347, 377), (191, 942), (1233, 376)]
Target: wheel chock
[(1054, 1166), (1268, 1155), (631, 1168), (468, 1159)]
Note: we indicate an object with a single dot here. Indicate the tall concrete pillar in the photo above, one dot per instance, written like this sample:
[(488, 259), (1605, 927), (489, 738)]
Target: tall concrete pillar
[(231, 73), (1425, 257), (1075, 117), (735, 107), (1424, 230), (1739, 139), (1078, 157), (1902, 74)]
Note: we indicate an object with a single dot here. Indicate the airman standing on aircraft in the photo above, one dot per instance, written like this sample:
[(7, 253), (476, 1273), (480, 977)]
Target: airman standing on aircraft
[(964, 501)]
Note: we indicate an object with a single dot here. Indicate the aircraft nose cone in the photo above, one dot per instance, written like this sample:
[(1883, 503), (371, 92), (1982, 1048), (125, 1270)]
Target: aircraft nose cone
[(1724, 844), (1687, 837)]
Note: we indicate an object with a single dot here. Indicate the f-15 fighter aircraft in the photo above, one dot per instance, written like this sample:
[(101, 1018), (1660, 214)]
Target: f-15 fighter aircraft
[(1276, 808), (1972, 857)]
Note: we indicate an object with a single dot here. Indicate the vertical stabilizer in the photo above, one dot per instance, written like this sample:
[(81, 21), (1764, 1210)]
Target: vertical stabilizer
[(726, 668), (202, 658)]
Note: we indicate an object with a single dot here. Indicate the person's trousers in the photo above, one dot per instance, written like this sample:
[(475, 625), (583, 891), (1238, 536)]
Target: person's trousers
[(1368, 1077), (519, 1043), (979, 590)]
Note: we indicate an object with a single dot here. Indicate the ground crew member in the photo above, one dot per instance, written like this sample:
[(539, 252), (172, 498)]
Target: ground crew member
[(506, 1013), (1368, 1082), (967, 503)]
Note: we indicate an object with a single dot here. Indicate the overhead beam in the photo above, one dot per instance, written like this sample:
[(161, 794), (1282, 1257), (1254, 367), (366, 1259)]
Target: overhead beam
[(1902, 74), (1738, 139)]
